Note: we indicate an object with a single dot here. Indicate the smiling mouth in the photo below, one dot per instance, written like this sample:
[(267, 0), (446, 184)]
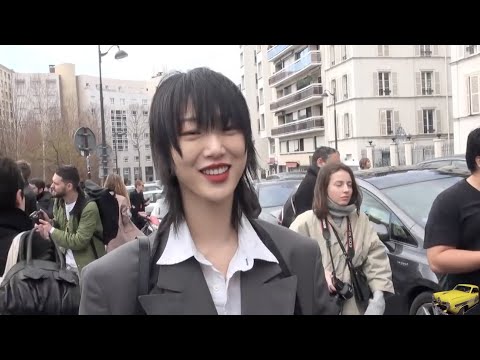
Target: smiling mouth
[(215, 171), (218, 174)]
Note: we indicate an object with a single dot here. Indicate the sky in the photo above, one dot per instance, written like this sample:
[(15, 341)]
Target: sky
[(142, 63)]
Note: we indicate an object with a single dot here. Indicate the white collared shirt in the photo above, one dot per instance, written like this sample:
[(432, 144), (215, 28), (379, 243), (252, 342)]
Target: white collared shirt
[(69, 259), (226, 292)]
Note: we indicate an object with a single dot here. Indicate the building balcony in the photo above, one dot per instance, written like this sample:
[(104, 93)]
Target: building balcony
[(312, 91), (277, 51), (305, 63), (313, 123)]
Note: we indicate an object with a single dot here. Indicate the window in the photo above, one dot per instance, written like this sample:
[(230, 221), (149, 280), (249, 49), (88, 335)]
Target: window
[(332, 54), (261, 99), (344, 52), (400, 233), (144, 102), (428, 121), (301, 53), (425, 50), (260, 70), (383, 83), (346, 125), (287, 90), (383, 50), (471, 49), (125, 160), (112, 101), (289, 118), (241, 59), (389, 122), (304, 82), (345, 87), (262, 122), (377, 213), (243, 82), (147, 146), (334, 90), (304, 113), (272, 147), (145, 113), (148, 157), (427, 88), (254, 56), (135, 158), (473, 94), (278, 66), (295, 145)]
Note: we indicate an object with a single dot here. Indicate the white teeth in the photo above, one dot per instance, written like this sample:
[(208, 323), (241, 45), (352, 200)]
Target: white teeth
[(216, 171)]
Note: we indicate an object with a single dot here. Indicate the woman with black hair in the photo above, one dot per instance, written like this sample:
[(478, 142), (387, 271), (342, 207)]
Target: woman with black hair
[(210, 254)]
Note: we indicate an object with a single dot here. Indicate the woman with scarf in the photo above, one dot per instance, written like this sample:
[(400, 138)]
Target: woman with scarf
[(348, 243)]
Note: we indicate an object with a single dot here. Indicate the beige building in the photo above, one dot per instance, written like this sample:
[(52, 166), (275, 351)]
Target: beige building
[(6, 110), (383, 93), (465, 69)]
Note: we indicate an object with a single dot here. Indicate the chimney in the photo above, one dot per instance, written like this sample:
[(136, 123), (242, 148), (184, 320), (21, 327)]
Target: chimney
[(52, 69)]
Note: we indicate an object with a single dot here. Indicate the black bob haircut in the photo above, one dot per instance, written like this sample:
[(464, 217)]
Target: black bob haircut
[(217, 103), (11, 180)]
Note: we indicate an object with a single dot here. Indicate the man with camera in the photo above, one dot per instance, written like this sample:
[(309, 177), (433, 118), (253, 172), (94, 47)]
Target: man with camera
[(13, 219)]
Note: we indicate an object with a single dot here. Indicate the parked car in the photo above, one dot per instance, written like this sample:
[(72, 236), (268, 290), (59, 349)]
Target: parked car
[(452, 160), (292, 175), (160, 208), (457, 301), (152, 196), (397, 201), (272, 195), (146, 187)]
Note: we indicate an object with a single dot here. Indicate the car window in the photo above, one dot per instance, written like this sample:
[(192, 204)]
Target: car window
[(462, 288), (474, 290), (436, 164), (461, 164), (400, 233), (270, 195), (416, 199), (378, 214)]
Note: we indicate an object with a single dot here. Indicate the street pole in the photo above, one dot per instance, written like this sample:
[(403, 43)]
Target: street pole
[(335, 117), (102, 118), (446, 96)]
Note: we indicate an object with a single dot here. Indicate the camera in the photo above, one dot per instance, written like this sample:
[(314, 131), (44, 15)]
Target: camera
[(344, 290), (36, 216)]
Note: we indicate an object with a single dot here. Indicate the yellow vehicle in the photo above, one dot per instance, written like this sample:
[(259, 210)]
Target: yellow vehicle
[(457, 301)]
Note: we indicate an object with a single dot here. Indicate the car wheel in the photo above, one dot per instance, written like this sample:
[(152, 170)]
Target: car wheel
[(462, 310), (422, 304)]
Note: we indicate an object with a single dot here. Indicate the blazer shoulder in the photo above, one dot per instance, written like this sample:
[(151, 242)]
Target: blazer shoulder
[(119, 263)]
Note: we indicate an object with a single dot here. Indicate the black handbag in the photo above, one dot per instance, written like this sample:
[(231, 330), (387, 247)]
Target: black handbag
[(39, 287)]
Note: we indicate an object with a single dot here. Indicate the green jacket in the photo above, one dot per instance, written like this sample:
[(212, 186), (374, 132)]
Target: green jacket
[(77, 235)]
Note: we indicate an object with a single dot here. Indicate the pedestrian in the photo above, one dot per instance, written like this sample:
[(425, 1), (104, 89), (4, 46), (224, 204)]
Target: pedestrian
[(210, 255), (365, 163), (347, 241)]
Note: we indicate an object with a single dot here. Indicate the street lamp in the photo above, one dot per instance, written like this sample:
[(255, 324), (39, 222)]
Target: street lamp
[(119, 55), (325, 94), (116, 135)]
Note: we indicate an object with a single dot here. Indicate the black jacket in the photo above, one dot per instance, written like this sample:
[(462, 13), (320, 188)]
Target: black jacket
[(13, 222), (45, 202), (303, 198), (30, 201), (137, 202)]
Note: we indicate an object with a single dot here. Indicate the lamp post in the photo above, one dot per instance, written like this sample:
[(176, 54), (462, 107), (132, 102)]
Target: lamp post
[(117, 134), (325, 94), (119, 55)]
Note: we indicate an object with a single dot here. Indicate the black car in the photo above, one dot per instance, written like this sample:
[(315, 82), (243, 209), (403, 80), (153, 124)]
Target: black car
[(397, 201)]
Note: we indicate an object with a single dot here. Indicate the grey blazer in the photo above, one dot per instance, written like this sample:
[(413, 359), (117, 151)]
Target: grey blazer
[(109, 284)]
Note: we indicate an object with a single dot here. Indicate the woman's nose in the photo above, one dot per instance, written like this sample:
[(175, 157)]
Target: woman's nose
[(214, 144)]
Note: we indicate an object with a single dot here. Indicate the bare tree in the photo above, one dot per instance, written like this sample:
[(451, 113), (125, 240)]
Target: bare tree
[(137, 130)]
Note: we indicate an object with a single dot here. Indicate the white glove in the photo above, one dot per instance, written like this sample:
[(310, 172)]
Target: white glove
[(376, 305)]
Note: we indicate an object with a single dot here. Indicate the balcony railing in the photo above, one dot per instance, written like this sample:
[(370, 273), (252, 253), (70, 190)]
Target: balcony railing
[(301, 125), (273, 52), (311, 58), (302, 94)]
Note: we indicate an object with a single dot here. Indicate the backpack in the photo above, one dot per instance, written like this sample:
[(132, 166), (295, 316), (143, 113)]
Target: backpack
[(107, 207), (289, 211), (38, 286)]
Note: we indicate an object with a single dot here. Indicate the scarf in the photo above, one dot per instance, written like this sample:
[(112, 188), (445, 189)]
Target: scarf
[(338, 212)]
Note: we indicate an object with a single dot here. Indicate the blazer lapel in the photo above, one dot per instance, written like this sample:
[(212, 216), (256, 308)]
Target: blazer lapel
[(181, 289), (265, 293)]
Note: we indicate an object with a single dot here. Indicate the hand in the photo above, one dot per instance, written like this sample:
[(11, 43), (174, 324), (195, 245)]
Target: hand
[(329, 278), (44, 216), (41, 230), (376, 305), (45, 224)]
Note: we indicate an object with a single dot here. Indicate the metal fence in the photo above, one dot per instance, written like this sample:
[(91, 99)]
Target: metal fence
[(422, 153), (381, 157)]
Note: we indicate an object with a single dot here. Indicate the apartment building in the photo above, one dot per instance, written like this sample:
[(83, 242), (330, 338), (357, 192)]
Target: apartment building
[(465, 72), (126, 109), (386, 93), (6, 107), (288, 101)]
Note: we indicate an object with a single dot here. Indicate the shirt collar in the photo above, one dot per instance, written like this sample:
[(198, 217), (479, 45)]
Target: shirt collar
[(180, 246)]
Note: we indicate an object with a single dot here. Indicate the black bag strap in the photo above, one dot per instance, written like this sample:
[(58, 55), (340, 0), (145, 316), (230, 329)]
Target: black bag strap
[(143, 268)]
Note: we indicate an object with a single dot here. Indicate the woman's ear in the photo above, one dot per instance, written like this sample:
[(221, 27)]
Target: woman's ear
[(20, 200)]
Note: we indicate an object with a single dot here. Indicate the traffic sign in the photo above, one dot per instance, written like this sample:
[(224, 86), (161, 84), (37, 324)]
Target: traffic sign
[(84, 140)]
